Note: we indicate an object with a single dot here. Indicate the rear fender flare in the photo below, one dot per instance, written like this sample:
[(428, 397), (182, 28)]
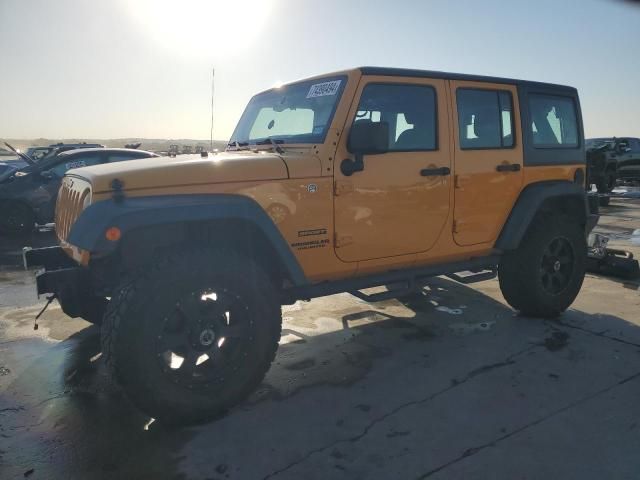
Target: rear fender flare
[(529, 203)]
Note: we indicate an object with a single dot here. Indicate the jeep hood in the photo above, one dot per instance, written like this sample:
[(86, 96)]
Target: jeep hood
[(184, 170)]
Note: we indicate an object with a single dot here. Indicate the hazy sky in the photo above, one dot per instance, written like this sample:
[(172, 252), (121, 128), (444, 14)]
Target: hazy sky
[(142, 68)]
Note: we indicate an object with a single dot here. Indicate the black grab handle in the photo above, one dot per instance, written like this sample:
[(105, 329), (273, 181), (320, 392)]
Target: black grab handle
[(513, 167), (435, 172)]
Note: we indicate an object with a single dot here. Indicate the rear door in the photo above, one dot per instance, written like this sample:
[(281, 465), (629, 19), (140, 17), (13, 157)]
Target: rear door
[(488, 158)]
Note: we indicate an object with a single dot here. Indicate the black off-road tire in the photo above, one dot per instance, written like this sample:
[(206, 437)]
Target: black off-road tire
[(16, 218), (95, 309), (523, 273), (130, 332)]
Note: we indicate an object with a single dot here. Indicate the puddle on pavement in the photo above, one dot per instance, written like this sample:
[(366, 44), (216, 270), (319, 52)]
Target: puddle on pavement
[(61, 417)]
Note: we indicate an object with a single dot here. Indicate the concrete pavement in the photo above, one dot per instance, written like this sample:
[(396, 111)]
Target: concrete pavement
[(450, 384)]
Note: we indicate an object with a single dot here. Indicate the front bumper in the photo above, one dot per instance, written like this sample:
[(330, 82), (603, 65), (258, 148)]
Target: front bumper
[(58, 274)]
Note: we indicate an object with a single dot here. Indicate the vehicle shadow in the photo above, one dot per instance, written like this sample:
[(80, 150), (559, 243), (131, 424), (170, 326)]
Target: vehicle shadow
[(62, 415)]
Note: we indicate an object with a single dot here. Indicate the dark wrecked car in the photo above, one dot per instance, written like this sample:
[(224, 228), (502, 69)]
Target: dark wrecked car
[(38, 154), (610, 159), (28, 194), (629, 159)]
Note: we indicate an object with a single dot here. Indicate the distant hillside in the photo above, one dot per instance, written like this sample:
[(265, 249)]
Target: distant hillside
[(151, 144)]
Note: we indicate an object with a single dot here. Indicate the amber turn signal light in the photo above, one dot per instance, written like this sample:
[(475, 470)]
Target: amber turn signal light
[(113, 234)]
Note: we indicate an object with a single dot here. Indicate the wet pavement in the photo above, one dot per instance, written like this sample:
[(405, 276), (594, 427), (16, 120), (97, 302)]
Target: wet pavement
[(448, 384)]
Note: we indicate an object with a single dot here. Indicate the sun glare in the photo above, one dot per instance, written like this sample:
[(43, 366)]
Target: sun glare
[(207, 29)]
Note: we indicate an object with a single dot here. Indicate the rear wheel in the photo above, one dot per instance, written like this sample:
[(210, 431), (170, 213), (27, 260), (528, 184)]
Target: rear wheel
[(544, 275), (193, 337), (17, 218)]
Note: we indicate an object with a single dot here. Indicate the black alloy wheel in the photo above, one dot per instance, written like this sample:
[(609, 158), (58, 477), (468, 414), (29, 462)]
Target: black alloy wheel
[(556, 267), (203, 337)]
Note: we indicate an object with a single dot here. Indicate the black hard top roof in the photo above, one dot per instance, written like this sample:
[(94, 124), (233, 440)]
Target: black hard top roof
[(405, 72), (610, 139)]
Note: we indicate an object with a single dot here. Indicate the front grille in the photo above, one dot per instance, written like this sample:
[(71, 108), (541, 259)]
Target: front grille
[(69, 206)]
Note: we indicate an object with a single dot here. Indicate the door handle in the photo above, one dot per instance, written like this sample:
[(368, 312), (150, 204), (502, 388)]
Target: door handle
[(435, 172), (513, 167)]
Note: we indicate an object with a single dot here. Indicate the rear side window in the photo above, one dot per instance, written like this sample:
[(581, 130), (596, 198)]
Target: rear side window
[(485, 119), (410, 111), (553, 121)]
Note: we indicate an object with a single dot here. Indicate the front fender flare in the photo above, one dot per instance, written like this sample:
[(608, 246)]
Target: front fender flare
[(128, 214)]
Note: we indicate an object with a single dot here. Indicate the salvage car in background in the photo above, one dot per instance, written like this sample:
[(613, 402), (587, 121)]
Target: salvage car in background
[(629, 160), (610, 159), (38, 154), (28, 194)]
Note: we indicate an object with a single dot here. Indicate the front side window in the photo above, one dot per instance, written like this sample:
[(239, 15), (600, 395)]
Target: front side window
[(297, 113), (485, 119), (553, 121), (410, 111)]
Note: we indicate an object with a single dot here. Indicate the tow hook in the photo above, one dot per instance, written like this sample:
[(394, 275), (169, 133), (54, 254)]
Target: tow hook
[(49, 300)]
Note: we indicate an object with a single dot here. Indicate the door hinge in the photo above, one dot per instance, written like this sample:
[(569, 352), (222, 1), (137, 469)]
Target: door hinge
[(342, 240), (455, 226), (340, 188), (456, 181)]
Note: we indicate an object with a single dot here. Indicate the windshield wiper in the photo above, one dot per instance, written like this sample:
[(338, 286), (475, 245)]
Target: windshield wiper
[(274, 143), (23, 156)]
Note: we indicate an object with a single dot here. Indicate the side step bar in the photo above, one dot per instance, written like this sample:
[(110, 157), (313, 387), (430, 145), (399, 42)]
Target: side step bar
[(473, 277), (411, 277), (411, 286)]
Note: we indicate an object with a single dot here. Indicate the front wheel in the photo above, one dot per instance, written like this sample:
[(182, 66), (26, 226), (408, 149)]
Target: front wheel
[(194, 336), (543, 276)]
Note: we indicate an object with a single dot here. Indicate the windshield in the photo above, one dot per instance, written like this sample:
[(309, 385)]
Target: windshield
[(296, 113)]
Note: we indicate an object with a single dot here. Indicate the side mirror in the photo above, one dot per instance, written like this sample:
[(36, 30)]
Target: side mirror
[(47, 174), (365, 138), (368, 138)]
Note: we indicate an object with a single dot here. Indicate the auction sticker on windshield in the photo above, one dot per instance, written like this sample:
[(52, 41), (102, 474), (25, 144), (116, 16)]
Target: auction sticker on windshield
[(324, 89)]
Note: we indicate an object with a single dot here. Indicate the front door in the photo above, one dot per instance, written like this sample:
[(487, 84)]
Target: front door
[(399, 203), (488, 159)]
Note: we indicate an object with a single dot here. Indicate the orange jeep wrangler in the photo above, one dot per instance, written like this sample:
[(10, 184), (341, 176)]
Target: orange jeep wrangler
[(363, 178)]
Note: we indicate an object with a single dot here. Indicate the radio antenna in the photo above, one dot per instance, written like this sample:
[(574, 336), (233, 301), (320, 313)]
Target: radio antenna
[(213, 74)]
